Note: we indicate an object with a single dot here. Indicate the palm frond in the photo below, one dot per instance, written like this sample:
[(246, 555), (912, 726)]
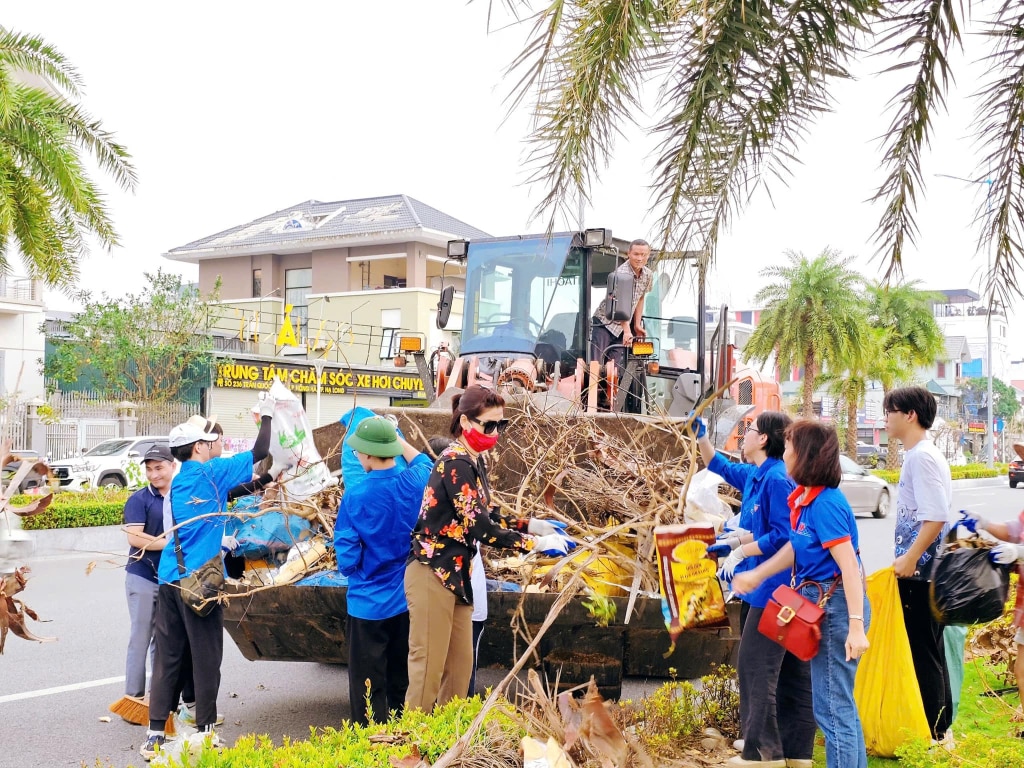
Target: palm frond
[(929, 27), (587, 62), (32, 54), (1000, 131), (750, 81)]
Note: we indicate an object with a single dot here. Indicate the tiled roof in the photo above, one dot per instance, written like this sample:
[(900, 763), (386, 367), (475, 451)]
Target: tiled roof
[(313, 222)]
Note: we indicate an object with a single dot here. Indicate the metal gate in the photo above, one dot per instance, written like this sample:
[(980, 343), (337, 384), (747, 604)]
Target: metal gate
[(74, 437)]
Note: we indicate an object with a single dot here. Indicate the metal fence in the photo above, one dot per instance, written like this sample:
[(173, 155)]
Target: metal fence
[(78, 421)]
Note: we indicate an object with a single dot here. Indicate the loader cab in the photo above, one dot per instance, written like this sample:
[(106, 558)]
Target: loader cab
[(533, 295)]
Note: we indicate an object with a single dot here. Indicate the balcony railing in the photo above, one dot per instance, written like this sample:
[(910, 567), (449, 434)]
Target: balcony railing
[(20, 289)]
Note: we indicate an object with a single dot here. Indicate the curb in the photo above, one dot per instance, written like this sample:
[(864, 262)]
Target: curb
[(99, 540), (980, 482)]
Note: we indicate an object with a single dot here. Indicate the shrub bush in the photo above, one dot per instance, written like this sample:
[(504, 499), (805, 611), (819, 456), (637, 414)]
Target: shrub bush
[(78, 510), (965, 472)]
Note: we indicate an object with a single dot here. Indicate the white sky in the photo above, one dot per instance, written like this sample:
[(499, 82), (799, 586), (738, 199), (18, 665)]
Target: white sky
[(235, 109)]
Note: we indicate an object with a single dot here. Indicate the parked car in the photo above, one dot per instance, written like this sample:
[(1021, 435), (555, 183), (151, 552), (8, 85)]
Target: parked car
[(36, 478), (871, 455), (1015, 471), (113, 463), (864, 491)]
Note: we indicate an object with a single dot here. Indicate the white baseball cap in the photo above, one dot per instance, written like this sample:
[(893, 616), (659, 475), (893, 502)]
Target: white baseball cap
[(188, 433)]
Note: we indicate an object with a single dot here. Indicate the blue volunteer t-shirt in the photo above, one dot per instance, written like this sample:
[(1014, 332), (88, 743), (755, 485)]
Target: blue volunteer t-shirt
[(144, 507), (818, 524), (764, 512), (372, 537), (201, 489)]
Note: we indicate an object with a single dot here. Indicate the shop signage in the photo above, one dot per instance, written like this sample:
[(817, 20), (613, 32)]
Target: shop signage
[(976, 427), (259, 375)]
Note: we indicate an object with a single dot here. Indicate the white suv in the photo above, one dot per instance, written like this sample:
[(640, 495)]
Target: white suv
[(113, 463)]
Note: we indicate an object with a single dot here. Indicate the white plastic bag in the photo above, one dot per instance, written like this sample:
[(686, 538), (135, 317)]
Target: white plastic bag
[(291, 442), (702, 502)]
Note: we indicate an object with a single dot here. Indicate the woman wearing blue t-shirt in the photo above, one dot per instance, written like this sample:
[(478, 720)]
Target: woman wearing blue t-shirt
[(776, 717), (823, 548)]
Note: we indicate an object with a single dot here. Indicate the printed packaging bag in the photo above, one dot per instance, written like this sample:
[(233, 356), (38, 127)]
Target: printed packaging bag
[(691, 595), (291, 442)]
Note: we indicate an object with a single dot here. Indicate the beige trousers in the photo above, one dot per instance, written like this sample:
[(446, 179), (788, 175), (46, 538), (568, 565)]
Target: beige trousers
[(440, 640)]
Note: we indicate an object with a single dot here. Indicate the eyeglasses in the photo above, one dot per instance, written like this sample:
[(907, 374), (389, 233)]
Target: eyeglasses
[(886, 411), (489, 427), (753, 429)]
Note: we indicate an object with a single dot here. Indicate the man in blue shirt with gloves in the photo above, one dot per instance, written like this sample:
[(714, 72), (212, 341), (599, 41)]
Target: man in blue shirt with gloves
[(776, 714), (371, 540)]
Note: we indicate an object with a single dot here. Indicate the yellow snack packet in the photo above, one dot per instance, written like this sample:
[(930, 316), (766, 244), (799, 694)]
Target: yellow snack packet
[(691, 595)]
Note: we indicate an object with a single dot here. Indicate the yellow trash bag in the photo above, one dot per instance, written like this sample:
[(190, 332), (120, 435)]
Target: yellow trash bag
[(886, 691)]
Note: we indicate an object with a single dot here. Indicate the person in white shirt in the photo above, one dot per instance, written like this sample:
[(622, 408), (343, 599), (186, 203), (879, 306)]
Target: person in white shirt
[(924, 514)]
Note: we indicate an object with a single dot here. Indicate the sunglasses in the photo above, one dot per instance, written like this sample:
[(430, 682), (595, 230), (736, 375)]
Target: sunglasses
[(490, 427)]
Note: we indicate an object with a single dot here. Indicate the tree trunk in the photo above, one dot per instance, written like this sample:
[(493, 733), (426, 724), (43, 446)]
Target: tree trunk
[(851, 429), (808, 408)]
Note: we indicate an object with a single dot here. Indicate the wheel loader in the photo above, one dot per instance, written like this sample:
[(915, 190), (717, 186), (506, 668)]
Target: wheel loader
[(525, 329)]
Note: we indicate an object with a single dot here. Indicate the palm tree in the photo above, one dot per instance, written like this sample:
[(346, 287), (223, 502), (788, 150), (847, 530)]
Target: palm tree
[(813, 317), (49, 206), (742, 83), (908, 338), (849, 384)]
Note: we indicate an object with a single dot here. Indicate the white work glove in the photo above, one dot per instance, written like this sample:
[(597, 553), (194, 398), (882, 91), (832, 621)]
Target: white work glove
[(229, 543), (266, 406), (553, 544), (729, 566), (546, 527), (972, 521), (278, 467), (1006, 553)]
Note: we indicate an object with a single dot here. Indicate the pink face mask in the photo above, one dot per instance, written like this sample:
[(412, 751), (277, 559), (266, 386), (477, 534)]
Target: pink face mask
[(478, 441)]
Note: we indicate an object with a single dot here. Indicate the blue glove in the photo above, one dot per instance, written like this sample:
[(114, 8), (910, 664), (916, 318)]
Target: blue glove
[(720, 550), (698, 425), (972, 521), (724, 547)]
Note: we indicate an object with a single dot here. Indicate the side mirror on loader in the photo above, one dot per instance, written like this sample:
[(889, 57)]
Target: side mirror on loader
[(444, 306)]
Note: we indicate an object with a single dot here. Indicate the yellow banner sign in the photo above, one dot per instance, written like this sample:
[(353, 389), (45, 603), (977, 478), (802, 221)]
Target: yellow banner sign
[(303, 378)]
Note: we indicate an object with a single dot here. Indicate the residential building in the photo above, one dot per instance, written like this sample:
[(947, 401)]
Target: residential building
[(21, 337), (319, 293)]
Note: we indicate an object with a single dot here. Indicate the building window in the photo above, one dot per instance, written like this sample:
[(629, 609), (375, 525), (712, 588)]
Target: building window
[(941, 372), (298, 284), (389, 343), (390, 281), (257, 283)]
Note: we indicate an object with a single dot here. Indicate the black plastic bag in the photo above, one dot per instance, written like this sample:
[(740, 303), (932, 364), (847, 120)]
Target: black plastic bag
[(967, 587)]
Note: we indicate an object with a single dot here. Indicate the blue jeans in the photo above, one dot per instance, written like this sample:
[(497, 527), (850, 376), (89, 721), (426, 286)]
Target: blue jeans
[(832, 684)]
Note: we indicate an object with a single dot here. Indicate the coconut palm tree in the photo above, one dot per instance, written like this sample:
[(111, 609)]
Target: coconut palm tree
[(813, 317), (907, 335), (49, 207), (741, 84)]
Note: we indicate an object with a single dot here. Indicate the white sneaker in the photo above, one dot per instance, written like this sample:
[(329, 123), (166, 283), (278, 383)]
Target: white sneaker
[(738, 745)]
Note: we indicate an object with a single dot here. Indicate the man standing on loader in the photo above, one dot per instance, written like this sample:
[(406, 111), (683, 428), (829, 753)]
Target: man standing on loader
[(606, 331)]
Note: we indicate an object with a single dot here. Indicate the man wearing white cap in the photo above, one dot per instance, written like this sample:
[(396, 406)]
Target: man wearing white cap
[(199, 491)]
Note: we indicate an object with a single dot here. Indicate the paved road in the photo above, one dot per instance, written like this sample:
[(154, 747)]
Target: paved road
[(44, 728)]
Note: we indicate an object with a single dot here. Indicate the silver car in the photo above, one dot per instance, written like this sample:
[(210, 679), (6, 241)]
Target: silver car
[(864, 491)]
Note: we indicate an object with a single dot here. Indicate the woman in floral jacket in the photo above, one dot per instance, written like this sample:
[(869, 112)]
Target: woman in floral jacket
[(458, 512)]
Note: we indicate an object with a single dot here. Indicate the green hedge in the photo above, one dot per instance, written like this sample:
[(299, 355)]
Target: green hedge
[(965, 472), (78, 510)]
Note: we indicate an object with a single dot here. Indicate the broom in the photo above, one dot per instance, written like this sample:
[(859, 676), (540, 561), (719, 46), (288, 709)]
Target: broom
[(134, 710)]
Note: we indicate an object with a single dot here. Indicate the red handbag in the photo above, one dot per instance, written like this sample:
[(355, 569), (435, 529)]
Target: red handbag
[(793, 621)]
